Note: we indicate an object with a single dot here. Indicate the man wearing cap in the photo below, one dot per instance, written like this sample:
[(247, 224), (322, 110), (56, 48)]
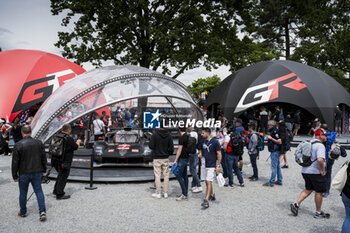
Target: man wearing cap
[(314, 176)]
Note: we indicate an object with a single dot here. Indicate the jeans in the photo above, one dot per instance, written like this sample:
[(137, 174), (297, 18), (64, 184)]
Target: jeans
[(23, 182), (182, 176), (63, 170), (232, 162), (193, 169), (346, 224), (275, 168), (330, 163), (253, 158), (224, 163)]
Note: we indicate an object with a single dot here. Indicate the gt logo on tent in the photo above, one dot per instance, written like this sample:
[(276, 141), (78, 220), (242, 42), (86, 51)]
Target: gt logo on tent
[(272, 91), (38, 90)]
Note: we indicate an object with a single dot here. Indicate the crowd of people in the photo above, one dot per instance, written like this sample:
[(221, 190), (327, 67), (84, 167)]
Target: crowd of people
[(217, 151)]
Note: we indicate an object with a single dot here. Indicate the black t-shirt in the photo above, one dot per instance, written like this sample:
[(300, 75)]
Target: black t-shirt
[(264, 116), (71, 146), (338, 114), (277, 115), (183, 141), (17, 134)]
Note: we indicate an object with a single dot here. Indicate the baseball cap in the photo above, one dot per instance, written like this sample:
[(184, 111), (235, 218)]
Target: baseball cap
[(316, 120), (239, 120), (320, 132)]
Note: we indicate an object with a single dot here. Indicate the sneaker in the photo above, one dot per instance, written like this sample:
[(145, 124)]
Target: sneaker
[(42, 217), (182, 197), (212, 198), (231, 185), (251, 177), (205, 204), (285, 166), (197, 190), (325, 194), (268, 184), (278, 183), (241, 185), (156, 195), (322, 215), (226, 185), (165, 195), (64, 197), (193, 188), (254, 179), (22, 215), (294, 208)]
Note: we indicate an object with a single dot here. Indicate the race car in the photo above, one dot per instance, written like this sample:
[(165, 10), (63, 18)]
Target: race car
[(125, 146)]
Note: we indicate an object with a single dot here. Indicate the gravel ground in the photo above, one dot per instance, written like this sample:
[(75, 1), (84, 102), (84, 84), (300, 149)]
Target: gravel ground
[(130, 207)]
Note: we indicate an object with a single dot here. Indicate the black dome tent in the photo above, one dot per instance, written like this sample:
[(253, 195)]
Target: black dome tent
[(280, 82)]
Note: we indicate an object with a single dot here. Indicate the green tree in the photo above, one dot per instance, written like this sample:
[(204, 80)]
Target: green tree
[(325, 40), (277, 23), (157, 34), (204, 84)]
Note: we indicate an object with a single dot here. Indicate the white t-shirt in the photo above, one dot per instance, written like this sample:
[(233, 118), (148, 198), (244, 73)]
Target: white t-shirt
[(317, 151), (98, 126)]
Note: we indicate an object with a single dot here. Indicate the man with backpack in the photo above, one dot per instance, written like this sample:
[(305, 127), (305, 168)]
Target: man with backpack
[(28, 166), (240, 129), (234, 149), (274, 143), (253, 152), (210, 149), (182, 159), (162, 147), (313, 172), (285, 136), (62, 150), (196, 186)]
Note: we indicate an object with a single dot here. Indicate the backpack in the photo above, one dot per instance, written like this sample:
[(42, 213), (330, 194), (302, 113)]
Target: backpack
[(191, 145), (340, 178), (260, 146), (335, 151), (303, 153), (58, 146), (237, 143)]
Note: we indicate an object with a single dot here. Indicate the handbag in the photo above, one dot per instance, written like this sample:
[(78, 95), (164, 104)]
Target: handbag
[(221, 180), (340, 178), (175, 169)]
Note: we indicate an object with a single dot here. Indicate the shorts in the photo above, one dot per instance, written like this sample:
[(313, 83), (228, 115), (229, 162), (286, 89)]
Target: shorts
[(296, 126), (209, 173), (253, 122), (315, 182), (338, 123)]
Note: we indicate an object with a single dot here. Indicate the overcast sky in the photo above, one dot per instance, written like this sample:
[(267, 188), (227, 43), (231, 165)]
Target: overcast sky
[(29, 24)]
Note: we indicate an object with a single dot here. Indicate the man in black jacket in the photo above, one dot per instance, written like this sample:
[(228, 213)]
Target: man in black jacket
[(28, 166), (162, 147), (63, 167)]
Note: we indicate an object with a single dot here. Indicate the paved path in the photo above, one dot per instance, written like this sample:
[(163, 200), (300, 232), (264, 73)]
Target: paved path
[(130, 208)]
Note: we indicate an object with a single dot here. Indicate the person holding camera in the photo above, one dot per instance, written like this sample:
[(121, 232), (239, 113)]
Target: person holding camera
[(28, 166), (63, 167)]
